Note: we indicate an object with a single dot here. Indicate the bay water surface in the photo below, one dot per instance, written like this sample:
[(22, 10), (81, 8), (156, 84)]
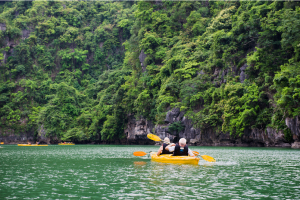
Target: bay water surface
[(112, 172)]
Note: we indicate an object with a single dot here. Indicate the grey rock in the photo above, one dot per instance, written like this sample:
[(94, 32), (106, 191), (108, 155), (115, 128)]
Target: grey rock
[(137, 130), (172, 115), (158, 2), (243, 75), (10, 137), (6, 54), (189, 131), (216, 72), (101, 44), (265, 138), (200, 73), (2, 27), (244, 67), (294, 125), (296, 145), (224, 73), (42, 135), (194, 141), (142, 58), (209, 137), (286, 145), (137, 133), (274, 136), (162, 132), (26, 33)]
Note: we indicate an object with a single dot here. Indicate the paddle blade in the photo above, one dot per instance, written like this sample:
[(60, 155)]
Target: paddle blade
[(139, 153), (153, 137), (208, 158), (195, 153)]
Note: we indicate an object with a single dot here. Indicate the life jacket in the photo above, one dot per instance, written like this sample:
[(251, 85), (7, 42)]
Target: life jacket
[(164, 151), (181, 152)]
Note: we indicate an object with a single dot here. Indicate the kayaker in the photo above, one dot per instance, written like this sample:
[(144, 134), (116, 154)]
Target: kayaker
[(180, 149), (162, 149)]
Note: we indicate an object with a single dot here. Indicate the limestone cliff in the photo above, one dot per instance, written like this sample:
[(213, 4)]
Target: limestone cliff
[(10, 137), (138, 129)]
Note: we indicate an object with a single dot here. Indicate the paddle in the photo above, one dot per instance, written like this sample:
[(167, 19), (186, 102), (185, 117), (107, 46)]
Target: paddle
[(157, 139), (139, 153), (154, 137), (208, 158)]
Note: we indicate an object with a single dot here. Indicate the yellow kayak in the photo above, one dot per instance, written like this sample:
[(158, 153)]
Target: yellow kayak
[(168, 158), (33, 145), (65, 144)]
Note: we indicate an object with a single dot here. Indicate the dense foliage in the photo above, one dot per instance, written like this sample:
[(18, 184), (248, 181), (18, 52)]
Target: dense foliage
[(74, 67)]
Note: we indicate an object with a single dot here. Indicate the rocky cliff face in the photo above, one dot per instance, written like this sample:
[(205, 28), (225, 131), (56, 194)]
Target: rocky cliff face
[(11, 43), (26, 32), (9, 137), (2, 27), (294, 125), (138, 129), (142, 58), (41, 137)]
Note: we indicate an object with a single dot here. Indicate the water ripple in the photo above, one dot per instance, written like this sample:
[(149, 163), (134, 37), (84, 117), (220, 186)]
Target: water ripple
[(112, 172)]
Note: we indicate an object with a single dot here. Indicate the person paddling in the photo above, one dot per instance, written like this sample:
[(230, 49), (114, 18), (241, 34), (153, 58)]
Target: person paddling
[(180, 149), (162, 149)]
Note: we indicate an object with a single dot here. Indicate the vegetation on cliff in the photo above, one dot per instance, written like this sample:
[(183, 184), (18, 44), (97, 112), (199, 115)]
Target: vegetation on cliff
[(75, 67)]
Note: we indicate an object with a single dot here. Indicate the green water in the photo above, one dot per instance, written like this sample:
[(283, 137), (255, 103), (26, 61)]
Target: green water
[(112, 172)]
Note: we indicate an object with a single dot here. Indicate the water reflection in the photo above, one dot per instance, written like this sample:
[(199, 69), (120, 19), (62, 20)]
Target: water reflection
[(139, 163)]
